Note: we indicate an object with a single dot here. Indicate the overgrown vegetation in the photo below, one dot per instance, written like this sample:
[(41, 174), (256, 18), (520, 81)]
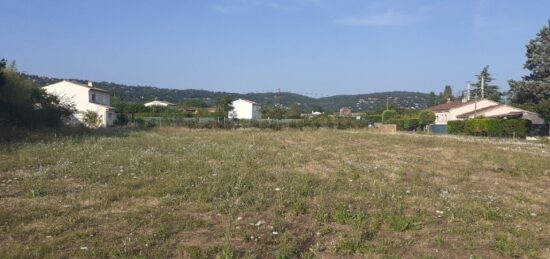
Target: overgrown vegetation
[(176, 192), (24, 105)]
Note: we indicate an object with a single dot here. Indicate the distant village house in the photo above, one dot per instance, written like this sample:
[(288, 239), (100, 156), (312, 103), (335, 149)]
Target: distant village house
[(84, 98), (451, 111), (161, 104), (245, 110), (346, 112)]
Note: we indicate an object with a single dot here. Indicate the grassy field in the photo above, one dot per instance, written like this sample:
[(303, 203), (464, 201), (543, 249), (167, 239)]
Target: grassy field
[(263, 194)]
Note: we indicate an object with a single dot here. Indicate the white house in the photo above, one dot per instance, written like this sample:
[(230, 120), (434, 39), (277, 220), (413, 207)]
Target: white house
[(84, 98), (245, 110), (452, 111), (160, 103)]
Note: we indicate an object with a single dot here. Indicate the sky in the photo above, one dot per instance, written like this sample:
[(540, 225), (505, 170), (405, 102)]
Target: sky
[(311, 47)]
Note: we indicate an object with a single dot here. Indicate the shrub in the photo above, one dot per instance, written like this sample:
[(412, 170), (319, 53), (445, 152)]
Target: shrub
[(92, 119), (388, 115)]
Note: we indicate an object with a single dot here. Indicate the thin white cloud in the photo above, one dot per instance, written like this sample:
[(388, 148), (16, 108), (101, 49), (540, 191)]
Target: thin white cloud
[(389, 18)]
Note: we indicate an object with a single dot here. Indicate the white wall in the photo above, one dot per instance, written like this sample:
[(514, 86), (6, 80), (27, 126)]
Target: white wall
[(80, 96), (245, 110), (469, 108)]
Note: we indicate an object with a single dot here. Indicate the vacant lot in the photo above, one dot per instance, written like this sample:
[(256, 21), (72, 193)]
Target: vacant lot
[(250, 193)]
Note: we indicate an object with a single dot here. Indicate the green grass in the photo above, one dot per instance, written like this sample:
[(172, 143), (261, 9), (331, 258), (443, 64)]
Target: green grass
[(175, 192)]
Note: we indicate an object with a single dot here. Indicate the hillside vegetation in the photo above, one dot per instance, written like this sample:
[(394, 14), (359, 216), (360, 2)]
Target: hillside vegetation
[(250, 193)]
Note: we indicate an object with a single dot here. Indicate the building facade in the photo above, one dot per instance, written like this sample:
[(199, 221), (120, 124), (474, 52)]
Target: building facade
[(245, 110), (84, 98)]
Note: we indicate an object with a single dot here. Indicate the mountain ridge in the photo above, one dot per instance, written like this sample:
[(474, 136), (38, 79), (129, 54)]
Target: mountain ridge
[(358, 102)]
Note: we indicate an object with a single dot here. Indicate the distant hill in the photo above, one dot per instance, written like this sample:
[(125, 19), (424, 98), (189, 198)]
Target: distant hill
[(359, 102)]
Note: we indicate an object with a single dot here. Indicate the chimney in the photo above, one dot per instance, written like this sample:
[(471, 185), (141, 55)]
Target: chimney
[(90, 84)]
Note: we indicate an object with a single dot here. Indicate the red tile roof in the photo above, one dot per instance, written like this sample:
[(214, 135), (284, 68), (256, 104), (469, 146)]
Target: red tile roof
[(447, 106), (466, 115)]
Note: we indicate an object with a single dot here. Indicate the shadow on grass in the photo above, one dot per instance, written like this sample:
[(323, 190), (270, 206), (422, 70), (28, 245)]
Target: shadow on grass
[(15, 136)]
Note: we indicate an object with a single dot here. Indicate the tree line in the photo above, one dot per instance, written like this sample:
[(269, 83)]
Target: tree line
[(531, 93)]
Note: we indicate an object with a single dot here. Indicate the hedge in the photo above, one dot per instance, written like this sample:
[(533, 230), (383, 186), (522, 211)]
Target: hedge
[(388, 115), (489, 127), (456, 127)]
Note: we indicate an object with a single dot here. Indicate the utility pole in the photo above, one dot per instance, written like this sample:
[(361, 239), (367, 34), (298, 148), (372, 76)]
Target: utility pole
[(469, 89), (475, 107)]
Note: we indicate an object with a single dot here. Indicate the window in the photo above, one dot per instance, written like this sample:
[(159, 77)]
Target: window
[(110, 115), (93, 97)]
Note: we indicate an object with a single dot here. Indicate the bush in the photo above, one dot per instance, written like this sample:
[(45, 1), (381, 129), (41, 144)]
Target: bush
[(92, 119), (388, 115), (426, 117)]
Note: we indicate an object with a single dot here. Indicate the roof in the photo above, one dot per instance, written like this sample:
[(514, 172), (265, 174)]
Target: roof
[(167, 103), (466, 115), (87, 86), (509, 114), (252, 102), (82, 85), (448, 105)]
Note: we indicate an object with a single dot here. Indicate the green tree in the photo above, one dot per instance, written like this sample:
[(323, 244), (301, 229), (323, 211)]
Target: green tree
[(447, 94), (491, 92), (293, 112), (535, 87), (432, 99), (426, 117), (274, 112), (24, 104), (223, 104), (388, 115)]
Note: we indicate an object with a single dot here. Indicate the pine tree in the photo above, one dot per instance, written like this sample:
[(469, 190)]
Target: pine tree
[(535, 87), (491, 92), (447, 94)]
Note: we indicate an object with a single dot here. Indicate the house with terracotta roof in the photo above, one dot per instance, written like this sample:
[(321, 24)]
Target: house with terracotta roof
[(245, 110), (451, 111), (84, 98)]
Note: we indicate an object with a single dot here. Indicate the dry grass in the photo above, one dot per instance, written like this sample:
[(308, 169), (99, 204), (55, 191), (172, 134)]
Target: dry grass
[(248, 193)]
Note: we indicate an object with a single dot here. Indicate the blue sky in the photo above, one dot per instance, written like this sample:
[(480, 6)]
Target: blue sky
[(312, 47)]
